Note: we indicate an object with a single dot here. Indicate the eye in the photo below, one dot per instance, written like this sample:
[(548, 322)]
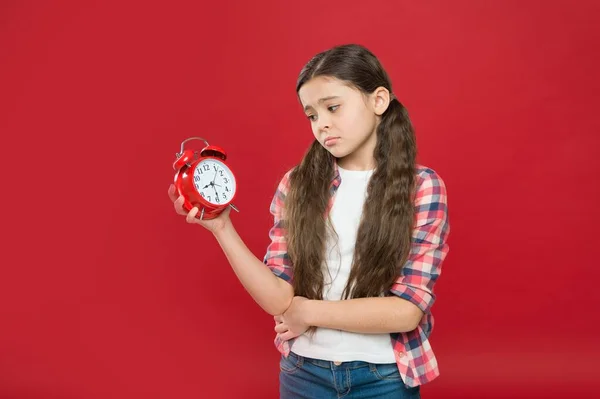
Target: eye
[(333, 108), (311, 117)]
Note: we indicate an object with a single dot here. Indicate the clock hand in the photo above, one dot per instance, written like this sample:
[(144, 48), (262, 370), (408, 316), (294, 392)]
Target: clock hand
[(211, 184)]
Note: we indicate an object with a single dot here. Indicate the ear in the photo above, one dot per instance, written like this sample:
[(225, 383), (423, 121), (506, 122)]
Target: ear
[(381, 100)]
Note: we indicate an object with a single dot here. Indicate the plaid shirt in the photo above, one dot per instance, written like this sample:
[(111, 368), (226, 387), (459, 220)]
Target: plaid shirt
[(414, 356)]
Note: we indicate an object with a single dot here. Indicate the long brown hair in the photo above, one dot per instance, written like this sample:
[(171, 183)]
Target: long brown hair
[(384, 235)]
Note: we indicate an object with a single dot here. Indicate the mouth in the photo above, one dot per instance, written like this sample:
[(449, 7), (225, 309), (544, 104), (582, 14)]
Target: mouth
[(329, 141)]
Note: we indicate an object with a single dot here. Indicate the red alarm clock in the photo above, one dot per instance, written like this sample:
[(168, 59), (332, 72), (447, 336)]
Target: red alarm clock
[(204, 180)]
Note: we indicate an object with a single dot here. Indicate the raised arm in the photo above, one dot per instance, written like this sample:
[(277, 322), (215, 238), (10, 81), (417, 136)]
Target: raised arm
[(270, 292)]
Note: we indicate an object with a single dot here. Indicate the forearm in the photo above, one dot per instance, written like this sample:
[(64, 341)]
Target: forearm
[(270, 292), (364, 315)]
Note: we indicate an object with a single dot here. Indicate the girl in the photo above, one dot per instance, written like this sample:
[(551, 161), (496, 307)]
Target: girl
[(358, 241)]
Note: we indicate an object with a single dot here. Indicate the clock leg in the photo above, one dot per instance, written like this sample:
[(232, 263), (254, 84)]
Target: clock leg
[(234, 207)]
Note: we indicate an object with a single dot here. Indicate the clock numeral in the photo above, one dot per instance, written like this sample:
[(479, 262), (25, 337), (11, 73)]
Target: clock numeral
[(226, 180), (224, 195), (202, 194), (200, 171), (227, 188), (215, 166), (209, 198), (206, 167), (217, 199), (197, 186), (196, 178), (221, 172)]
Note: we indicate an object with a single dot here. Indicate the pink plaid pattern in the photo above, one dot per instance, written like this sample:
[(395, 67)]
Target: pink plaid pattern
[(414, 356)]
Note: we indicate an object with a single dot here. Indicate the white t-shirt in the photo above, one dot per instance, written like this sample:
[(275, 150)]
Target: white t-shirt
[(337, 345)]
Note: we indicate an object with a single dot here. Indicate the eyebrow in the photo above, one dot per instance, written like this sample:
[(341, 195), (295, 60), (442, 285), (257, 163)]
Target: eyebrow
[(322, 100)]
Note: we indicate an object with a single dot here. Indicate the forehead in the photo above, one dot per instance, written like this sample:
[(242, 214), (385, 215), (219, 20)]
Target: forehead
[(320, 87)]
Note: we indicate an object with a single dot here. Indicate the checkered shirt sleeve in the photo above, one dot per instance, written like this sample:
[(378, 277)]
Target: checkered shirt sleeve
[(276, 257), (429, 247)]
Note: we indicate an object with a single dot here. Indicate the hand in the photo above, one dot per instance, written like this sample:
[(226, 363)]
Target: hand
[(212, 225), (292, 322)]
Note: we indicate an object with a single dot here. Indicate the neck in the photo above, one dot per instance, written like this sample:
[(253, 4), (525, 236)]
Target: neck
[(351, 164)]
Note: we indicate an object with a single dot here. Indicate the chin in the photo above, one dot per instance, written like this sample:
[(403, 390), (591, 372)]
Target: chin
[(336, 150), (337, 153)]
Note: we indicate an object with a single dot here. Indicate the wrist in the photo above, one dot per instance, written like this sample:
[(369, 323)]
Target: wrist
[(309, 312), (222, 229)]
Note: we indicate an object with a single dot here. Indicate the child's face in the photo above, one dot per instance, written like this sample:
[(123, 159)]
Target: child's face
[(343, 120)]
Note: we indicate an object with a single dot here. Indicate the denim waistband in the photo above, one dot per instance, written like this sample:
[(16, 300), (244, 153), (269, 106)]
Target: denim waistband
[(328, 364)]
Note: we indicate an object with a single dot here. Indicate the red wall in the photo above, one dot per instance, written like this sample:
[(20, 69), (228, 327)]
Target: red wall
[(106, 292)]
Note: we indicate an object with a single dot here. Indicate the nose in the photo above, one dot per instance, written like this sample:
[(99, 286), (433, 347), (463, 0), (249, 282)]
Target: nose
[(323, 124)]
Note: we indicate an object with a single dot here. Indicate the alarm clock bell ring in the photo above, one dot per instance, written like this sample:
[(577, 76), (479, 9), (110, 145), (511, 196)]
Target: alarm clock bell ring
[(186, 163)]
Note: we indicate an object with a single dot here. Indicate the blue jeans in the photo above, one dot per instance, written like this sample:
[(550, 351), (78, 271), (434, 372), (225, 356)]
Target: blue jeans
[(303, 377)]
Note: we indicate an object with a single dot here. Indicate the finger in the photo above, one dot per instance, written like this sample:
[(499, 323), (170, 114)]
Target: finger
[(191, 216), (178, 205), (286, 336), (172, 194), (281, 328)]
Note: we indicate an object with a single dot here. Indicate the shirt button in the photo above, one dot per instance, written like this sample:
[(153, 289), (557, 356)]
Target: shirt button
[(401, 354)]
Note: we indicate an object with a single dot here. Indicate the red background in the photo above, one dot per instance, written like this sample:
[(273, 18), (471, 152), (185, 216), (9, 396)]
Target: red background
[(106, 293)]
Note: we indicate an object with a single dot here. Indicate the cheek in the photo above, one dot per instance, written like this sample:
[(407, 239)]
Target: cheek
[(355, 123), (314, 130), (366, 122)]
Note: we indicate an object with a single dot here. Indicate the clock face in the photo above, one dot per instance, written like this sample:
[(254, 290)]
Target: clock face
[(214, 181)]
